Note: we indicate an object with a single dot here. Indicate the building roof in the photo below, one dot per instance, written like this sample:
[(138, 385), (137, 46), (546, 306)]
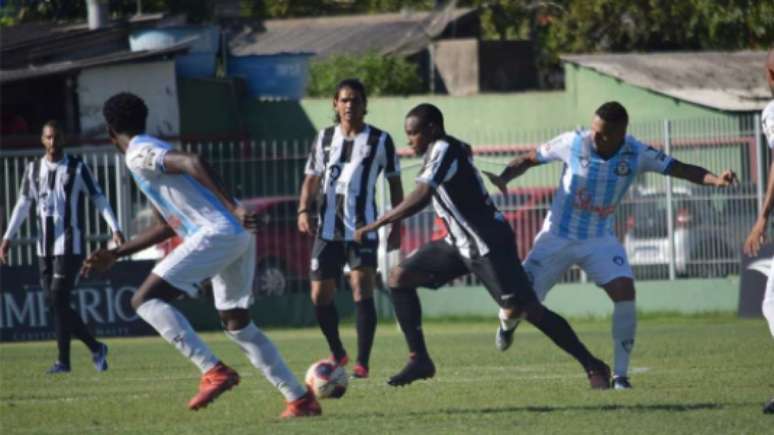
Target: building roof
[(395, 33), (34, 71), (731, 81)]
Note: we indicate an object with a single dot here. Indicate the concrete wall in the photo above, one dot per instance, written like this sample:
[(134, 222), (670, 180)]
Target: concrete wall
[(155, 82)]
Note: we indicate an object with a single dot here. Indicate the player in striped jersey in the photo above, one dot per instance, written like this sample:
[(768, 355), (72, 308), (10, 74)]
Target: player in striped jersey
[(344, 165), (217, 244), (479, 241), (56, 184), (599, 166), (758, 232)]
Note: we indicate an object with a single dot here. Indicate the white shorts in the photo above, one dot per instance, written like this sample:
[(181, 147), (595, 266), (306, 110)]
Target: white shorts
[(768, 296), (229, 259), (603, 259)]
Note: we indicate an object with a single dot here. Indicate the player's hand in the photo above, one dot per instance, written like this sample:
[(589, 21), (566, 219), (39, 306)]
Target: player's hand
[(306, 224), (497, 181), (727, 178), (359, 235), (756, 237), (99, 261), (393, 240), (5, 246), (248, 219), (118, 239)]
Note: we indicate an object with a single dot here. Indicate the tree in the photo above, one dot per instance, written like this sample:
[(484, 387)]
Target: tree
[(382, 75)]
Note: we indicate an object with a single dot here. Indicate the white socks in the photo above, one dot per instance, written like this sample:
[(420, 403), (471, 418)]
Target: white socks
[(506, 323), (624, 328), (176, 330), (264, 356)]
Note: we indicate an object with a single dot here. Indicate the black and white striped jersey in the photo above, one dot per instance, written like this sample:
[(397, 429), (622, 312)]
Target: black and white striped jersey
[(473, 222), (57, 190), (349, 168)]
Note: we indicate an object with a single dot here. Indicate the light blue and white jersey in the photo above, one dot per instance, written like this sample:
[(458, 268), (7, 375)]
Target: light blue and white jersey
[(185, 204), (591, 187), (767, 121)]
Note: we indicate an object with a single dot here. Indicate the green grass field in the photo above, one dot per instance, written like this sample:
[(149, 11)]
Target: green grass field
[(691, 375)]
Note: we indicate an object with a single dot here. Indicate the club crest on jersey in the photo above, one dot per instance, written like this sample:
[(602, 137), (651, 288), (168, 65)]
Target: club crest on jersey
[(365, 151), (622, 169), (584, 161)]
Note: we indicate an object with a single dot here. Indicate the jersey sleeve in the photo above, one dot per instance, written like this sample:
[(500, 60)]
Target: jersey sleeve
[(440, 166), (314, 163), (148, 160), (391, 162), (767, 124), (653, 160), (558, 148)]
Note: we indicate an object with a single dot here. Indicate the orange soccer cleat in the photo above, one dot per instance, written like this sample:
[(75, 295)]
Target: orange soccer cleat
[(217, 380), (305, 406)]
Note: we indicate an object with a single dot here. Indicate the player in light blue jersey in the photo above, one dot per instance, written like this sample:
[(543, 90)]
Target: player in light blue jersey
[(218, 244), (758, 233), (600, 165)]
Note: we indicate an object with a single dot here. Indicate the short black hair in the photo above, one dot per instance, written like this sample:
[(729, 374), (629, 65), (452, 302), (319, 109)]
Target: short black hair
[(125, 113), (54, 125), (427, 113), (614, 112), (354, 84)]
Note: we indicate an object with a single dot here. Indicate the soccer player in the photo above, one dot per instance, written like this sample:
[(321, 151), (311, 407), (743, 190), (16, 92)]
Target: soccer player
[(479, 241), (344, 164), (758, 233), (56, 184), (190, 201), (599, 166)]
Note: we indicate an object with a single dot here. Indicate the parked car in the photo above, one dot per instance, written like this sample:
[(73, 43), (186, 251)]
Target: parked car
[(710, 226)]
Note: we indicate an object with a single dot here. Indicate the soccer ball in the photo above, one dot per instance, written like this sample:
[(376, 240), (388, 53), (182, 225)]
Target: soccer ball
[(327, 379)]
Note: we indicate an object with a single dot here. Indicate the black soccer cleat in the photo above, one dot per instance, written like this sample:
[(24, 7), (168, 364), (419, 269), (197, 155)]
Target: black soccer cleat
[(769, 407), (621, 383), (599, 375), (504, 338), (415, 369)]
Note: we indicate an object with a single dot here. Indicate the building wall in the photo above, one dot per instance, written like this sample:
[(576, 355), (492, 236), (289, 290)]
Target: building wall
[(155, 82)]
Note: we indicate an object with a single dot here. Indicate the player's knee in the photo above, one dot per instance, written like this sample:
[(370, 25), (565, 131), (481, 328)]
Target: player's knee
[(321, 295), (396, 278), (620, 289), (138, 298)]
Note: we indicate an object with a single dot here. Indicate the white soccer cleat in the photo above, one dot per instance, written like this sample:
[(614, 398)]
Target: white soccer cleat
[(621, 383)]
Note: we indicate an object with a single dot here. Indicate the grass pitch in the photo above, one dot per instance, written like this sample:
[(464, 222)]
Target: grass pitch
[(692, 375)]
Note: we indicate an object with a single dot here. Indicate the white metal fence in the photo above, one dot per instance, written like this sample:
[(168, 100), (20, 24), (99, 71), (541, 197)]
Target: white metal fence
[(670, 229)]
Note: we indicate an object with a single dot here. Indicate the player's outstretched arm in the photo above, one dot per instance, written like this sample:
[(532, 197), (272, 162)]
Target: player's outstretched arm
[(516, 167), (698, 175), (102, 260), (308, 191), (758, 232), (414, 202)]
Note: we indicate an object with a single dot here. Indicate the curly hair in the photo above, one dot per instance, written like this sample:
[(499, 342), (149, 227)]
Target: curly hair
[(125, 113)]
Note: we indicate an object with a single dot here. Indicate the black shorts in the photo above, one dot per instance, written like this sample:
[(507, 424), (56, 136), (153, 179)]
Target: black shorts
[(329, 257), (500, 270), (61, 268)]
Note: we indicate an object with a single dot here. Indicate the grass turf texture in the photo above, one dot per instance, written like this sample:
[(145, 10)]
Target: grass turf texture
[(698, 374)]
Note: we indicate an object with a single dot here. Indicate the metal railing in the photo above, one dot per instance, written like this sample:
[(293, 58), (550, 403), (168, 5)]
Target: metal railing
[(669, 228)]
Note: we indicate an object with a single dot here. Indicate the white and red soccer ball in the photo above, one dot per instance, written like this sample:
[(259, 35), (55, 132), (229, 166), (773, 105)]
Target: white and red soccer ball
[(327, 379)]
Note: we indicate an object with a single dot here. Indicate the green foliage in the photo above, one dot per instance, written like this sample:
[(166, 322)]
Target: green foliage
[(382, 75)]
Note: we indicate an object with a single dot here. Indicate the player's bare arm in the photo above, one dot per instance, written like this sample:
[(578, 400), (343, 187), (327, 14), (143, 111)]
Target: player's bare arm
[(396, 197), (308, 191), (516, 167), (103, 259), (416, 201), (178, 162), (698, 175), (758, 232)]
